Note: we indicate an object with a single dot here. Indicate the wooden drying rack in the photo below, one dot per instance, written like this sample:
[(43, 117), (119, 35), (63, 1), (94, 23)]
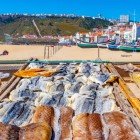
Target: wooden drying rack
[(122, 93)]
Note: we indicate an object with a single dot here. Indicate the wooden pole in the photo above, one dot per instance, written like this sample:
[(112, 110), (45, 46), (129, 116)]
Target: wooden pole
[(48, 51), (53, 50), (45, 51)]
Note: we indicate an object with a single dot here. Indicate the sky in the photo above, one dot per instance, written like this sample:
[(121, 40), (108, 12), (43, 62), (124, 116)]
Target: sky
[(107, 8)]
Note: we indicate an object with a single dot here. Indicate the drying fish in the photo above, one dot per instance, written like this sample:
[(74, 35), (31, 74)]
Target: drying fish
[(69, 77), (84, 105), (67, 86), (95, 68), (43, 98), (81, 78), (84, 68), (81, 103), (87, 127), (80, 127), (23, 84), (65, 121), (46, 86), (4, 106), (99, 77), (72, 68), (105, 105), (34, 83), (23, 95), (90, 87), (58, 86), (129, 67), (76, 87), (35, 131), (8, 132), (25, 116), (28, 73), (54, 99), (12, 112), (35, 72), (105, 92), (44, 114), (119, 127)]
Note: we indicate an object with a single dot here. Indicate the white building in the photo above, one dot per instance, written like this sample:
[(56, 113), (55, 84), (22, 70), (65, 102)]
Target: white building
[(135, 31), (124, 18)]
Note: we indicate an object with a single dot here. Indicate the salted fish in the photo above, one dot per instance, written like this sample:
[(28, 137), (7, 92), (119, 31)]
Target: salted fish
[(81, 103), (57, 86), (81, 78), (67, 86), (43, 98), (105, 92), (4, 107), (54, 99), (105, 105), (34, 84), (84, 68), (90, 87), (12, 112), (84, 105), (23, 95), (23, 84), (25, 117), (99, 77), (76, 87), (46, 85)]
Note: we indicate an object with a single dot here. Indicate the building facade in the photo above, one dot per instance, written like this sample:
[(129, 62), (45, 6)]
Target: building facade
[(124, 18)]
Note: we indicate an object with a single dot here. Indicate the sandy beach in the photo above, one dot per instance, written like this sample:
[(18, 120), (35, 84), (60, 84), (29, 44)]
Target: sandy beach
[(22, 52)]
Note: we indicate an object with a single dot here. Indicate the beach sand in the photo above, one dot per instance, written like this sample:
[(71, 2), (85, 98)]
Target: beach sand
[(22, 52), (76, 53)]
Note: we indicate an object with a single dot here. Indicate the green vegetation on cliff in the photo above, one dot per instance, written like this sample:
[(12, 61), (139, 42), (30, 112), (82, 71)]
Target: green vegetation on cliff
[(19, 25)]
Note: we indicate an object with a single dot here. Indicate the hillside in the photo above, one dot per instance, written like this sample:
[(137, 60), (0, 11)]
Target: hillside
[(19, 25)]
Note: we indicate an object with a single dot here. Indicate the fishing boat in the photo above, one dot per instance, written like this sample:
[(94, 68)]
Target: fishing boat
[(87, 45), (130, 48), (112, 47), (102, 45)]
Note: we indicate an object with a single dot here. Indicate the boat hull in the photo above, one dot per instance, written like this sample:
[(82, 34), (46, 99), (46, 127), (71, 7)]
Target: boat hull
[(113, 47), (87, 45), (129, 49)]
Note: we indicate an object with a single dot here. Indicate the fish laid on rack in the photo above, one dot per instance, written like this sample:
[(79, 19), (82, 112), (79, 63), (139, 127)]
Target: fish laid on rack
[(86, 127), (4, 106), (26, 94), (35, 131), (13, 112), (65, 104), (35, 72), (119, 127), (66, 121), (8, 132), (25, 117), (99, 78), (43, 114), (129, 67), (54, 99)]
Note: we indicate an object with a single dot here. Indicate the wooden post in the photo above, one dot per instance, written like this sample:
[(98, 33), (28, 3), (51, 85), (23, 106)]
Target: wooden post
[(45, 51), (48, 51), (53, 50)]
